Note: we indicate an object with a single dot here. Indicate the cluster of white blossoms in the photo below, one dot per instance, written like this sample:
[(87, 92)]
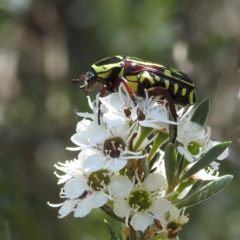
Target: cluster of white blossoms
[(195, 140), (117, 165)]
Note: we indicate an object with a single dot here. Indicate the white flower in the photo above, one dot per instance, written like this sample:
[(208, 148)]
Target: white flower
[(112, 153), (118, 108), (154, 114), (140, 203), (86, 136), (205, 174), (177, 215), (83, 191), (115, 167), (175, 221), (195, 141), (106, 149)]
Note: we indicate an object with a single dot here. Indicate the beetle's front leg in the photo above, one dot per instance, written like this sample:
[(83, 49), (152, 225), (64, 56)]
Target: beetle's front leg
[(127, 86), (102, 93), (130, 92), (113, 88), (156, 91)]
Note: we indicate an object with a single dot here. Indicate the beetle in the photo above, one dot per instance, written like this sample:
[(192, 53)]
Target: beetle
[(137, 75)]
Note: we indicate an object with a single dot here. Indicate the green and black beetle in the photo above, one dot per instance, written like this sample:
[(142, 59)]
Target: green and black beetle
[(137, 75)]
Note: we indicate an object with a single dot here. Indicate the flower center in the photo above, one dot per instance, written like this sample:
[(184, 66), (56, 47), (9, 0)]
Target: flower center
[(173, 229), (141, 115), (97, 180), (127, 112), (194, 147), (113, 146), (140, 200)]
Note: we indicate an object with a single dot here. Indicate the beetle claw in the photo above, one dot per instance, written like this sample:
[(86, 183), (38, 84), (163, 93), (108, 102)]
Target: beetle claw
[(83, 87)]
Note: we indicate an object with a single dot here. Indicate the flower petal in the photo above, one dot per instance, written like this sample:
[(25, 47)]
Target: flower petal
[(160, 207), (95, 200), (115, 164), (66, 208), (185, 153), (121, 208), (113, 119), (93, 163), (154, 181), (141, 221), (74, 188), (82, 209), (83, 126), (120, 187)]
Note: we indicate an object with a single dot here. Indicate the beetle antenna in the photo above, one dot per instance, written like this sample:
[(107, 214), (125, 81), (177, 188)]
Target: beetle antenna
[(76, 80)]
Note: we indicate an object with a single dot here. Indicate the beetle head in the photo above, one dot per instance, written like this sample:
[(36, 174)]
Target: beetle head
[(101, 72), (90, 79)]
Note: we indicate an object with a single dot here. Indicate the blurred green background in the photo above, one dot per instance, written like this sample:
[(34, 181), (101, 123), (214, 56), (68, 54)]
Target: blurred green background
[(46, 43)]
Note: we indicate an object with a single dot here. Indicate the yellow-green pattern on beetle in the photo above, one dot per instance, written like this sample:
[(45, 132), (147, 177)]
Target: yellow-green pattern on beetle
[(139, 75)]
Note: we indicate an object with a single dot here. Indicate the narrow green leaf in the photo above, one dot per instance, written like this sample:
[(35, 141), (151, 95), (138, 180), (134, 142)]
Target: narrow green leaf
[(154, 159), (170, 163), (112, 234), (146, 165), (161, 138), (144, 133), (201, 113), (207, 158), (194, 189), (207, 191), (180, 161)]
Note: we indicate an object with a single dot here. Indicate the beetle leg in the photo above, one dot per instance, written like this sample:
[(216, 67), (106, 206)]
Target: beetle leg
[(102, 93), (105, 88), (156, 91), (131, 94), (129, 90), (127, 86)]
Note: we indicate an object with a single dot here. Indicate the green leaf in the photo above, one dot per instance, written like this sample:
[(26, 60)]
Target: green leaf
[(201, 113), (144, 133), (207, 191), (161, 138), (170, 163), (146, 165), (194, 189), (113, 235), (207, 158), (154, 159), (180, 161)]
